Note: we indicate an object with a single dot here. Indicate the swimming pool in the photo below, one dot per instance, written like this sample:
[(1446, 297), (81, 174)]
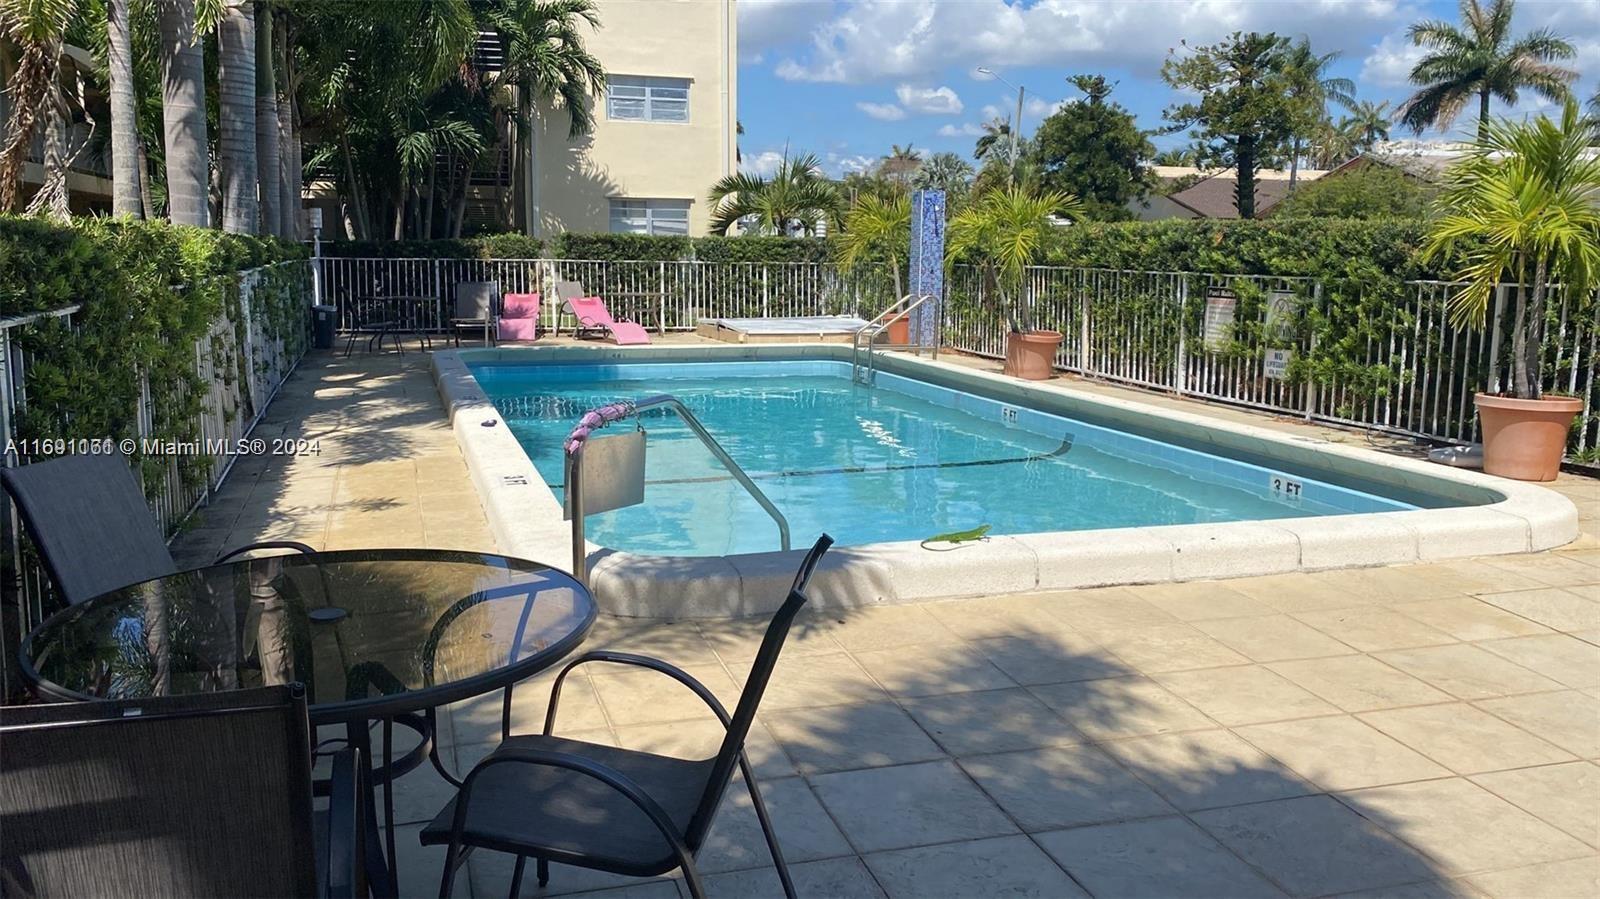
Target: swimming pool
[(900, 460)]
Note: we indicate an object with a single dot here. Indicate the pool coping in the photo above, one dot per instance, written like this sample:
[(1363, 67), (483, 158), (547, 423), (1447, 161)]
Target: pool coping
[(526, 518)]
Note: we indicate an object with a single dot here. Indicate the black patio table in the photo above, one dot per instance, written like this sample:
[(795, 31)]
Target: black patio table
[(381, 635)]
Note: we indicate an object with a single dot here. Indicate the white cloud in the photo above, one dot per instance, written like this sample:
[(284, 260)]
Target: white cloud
[(838, 164), (965, 129), (764, 163), (1036, 108), (883, 112), (929, 100), (872, 40), (1390, 62), (764, 24)]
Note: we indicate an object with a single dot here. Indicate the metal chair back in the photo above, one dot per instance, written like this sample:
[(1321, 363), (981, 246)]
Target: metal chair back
[(755, 686), (475, 299), (90, 523), (200, 795)]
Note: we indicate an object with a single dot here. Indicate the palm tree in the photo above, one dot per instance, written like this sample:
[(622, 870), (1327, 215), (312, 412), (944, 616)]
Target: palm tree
[(1520, 207), (546, 60), (126, 174), (875, 228), (996, 135), (1367, 124), (944, 171), (1007, 228), (1177, 156), (269, 159), (796, 197), (1313, 88), (236, 117), (1481, 60), (900, 164), (38, 28), (183, 104)]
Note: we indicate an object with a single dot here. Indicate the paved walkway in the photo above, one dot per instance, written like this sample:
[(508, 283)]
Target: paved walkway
[(1420, 731)]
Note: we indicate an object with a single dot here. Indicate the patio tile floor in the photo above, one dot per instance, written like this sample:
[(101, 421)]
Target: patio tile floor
[(1419, 731)]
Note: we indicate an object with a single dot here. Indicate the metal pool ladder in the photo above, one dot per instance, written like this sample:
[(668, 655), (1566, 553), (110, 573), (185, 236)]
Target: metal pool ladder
[(862, 372), (618, 412)]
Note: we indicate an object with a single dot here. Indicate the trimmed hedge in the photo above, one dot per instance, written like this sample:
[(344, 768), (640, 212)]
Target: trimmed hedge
[(601, 247), (488, 246)]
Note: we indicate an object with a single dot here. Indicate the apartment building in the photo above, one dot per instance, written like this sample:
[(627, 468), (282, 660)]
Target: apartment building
[(664, 132)]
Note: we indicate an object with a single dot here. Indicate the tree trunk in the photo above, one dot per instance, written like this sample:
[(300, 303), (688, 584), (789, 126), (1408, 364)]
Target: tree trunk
[(30, 86), (268, 160), (145, 199), (428, 197), (127, 163), (295, 152), (52, 199), (357, 197), (1528, 343), (522, 177), (288, 200), (236, 101), (1294, 164), (1483, 115), (183, 113), (1244, 192)]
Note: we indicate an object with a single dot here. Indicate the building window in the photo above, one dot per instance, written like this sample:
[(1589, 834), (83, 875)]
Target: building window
[(649, 216), (632, 98)]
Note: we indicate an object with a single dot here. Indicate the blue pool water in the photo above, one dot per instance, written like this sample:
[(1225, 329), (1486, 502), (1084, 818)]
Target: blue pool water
[(900, 460)]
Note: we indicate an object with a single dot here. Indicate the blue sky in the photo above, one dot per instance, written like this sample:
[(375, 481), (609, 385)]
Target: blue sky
[(845, 79)]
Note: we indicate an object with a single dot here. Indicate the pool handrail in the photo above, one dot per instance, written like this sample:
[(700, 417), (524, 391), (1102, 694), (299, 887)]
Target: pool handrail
[(897, 310), (604, 415)]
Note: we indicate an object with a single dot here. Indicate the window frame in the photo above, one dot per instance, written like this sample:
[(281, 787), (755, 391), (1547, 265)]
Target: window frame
[(647, 86), (650, 211)]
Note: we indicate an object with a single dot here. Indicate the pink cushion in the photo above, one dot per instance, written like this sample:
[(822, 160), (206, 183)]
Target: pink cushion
[(520, 306), (628, 333), (519, 328)]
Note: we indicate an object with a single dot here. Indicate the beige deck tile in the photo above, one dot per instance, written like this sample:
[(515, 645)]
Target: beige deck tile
[(1467, 618), (1463, 826), (996, 616), (1340, 753), (1010, 719), (1564, 610), (1569, 719), (1567, 796), (1374, 630), (1198, 600), (1467, 671), (1273, 638), (1551, 569), (1120, 707), (1577, 878), (1559, 657), (806, 681), (886, 627), (1245, 695), (1359, 683), (933, 671), (1051, 658), (1474, 576), (1063, 787), (848, 737), (1295, 591), (702, 738), (1170, 647), (646, 697), (1096, 612), (1207, 769), (1390, 584), (1466, 739), (737, 640)]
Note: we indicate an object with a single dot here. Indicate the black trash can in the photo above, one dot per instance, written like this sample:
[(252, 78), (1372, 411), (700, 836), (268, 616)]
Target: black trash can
[(322, 318)]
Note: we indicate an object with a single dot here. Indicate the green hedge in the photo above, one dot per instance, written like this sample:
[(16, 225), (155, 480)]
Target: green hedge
[(488, 246), (148, 292), (601, 247)]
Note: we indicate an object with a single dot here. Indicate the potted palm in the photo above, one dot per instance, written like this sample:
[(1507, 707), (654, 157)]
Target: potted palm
[(1521, 208), (1005, 230), (874, 228)]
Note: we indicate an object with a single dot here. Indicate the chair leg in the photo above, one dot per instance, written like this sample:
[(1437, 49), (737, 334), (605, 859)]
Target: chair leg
[(541, 869), (450, 861), (516, 877), (766, 826), (691, 879)]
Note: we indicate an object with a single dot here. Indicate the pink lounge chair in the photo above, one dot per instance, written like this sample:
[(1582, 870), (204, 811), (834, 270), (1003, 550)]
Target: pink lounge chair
[(519, 319), (592, 314)]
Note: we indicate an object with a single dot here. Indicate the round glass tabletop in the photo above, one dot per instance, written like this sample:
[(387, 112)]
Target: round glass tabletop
[(371, 633)]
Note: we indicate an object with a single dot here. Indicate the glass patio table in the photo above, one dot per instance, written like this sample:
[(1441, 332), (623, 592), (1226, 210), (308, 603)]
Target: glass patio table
[(384, 635)]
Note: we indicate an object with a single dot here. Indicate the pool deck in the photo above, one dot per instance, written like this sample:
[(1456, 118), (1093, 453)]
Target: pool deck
[(1434, 727)]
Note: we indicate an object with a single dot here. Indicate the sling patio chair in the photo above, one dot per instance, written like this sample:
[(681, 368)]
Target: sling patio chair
[(592, 315), (619, 810), (91, 525), (519, 319), (475, 309), (202, 795)]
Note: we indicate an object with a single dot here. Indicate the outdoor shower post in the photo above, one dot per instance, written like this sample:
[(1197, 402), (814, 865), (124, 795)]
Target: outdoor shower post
[(926, 271)]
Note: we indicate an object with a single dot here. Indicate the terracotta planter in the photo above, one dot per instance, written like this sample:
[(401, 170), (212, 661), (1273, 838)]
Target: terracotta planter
[(1525, 439), (897, 334), (1031, 355)]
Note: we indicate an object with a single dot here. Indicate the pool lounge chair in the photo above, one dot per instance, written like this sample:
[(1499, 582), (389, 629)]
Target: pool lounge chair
[(474, 309), (592, 315), (519, 317)]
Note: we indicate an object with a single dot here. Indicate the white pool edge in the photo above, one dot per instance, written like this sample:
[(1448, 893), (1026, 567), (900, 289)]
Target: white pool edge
[(526, 518)]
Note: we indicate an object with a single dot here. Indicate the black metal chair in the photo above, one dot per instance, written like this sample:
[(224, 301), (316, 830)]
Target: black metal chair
[(475, 308), (201, 795), (91, 525), (618, 810)]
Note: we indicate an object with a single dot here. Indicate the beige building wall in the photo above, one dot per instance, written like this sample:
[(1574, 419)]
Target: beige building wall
[(575, 180)]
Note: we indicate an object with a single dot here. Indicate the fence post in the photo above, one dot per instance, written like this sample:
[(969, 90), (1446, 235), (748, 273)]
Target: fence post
[(765, 299), (661, 323), (1309, 399), (1084, 330), (1180, 364), (1494, 336)]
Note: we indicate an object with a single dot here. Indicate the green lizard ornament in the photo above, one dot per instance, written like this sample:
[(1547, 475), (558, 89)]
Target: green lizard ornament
[(958, 537)]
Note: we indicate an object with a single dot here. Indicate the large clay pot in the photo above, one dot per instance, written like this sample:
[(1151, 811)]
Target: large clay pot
[(1031, 355), (898, 333), (1525, 439)]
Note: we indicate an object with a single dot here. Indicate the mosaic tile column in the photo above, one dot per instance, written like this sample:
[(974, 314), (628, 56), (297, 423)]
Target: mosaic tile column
[(926, 272)]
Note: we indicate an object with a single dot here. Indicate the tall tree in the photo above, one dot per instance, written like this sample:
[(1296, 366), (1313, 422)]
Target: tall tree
[(268, 161), (1246, 111), (183, 96), (236, 117), (1481, 60), (1093, 150), (900, 165), (944, 171), (875, 228), (797, 197), (38, 28), (126, 172), (1367, 124), (994, 140), (1312, 89), (547, 62), (1176, 156)]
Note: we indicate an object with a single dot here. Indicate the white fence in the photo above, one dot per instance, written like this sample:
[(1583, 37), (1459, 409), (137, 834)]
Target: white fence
[(1394, 363), (239, 364)]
